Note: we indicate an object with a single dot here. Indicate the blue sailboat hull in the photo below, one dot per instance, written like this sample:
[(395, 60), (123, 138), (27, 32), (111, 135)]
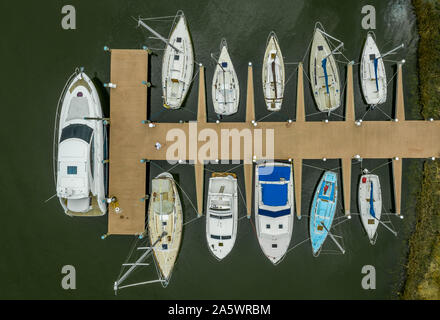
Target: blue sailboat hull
[(323, 210)]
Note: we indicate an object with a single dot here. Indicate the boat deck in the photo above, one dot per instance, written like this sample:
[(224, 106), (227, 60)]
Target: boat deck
[(301, 139)]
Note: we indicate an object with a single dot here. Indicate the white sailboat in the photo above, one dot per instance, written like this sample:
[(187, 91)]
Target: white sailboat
[(370, 204), (274, 208), (165, 223), (177, 63), (80, 138), (373, 75), (324, 73), (222, 214), (273, 74), (225, 88)]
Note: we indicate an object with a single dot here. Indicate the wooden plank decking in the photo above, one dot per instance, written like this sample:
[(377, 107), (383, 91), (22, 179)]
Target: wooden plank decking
[(128, 107)]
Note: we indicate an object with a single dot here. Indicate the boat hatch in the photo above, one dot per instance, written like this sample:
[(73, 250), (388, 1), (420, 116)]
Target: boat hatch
[(274, 245), (179, 39), (371, 221), (267, 226), (220, 244), (320, 48), (372, 56), (176, 57), (72, 169), (224, 64), (320, 228), (280, 226), (364, 180), (273, 55), (174, 80), (165, 246)]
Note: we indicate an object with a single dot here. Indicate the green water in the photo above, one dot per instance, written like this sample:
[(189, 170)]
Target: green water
[(37, 239)]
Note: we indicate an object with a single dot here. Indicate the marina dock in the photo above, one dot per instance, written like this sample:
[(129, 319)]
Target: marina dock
[(131, 141)]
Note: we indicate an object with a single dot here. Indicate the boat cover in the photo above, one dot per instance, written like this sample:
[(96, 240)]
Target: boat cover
[(270, 173), (274, 194)]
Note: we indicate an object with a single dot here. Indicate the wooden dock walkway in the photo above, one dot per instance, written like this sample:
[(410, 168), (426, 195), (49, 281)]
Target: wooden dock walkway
[(297, 141), (128, 107)]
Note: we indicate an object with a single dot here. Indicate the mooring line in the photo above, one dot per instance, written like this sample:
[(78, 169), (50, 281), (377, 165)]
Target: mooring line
[(296, 245)]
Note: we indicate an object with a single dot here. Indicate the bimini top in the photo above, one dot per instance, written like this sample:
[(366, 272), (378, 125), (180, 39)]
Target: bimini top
[(273, 181), (271, 173)]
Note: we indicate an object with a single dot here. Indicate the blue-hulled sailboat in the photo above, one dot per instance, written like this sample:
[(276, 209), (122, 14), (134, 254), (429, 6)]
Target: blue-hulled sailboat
[(274, 211), (323, 210)]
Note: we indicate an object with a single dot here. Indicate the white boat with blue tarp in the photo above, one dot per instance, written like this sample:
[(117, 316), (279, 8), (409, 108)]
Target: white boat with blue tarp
[(373, 75), (274, 208), (370, 204), (324, 73), (323, 210)]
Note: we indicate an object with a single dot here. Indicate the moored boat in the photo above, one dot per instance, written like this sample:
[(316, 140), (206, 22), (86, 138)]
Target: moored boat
[(79, 149), (177, 64), (274, 208), (222, 214), (370, 204), (273, 74), (225, 87), (323, 210), (324, 73), (165, 223), (372, 73)]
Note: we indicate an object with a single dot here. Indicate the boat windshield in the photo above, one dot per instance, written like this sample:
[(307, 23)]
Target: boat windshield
[(79, 131), (220, 205), (161, 204)]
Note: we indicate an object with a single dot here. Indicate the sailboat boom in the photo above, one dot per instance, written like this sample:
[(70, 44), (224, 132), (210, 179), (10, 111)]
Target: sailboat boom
[(141, 23)]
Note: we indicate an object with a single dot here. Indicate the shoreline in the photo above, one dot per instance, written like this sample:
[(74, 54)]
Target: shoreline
[(423, 263)]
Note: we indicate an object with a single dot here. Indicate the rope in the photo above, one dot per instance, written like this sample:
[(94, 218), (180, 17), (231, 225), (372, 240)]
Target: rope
[(296, 245), (384, 164), (188, 222), (192, 204)]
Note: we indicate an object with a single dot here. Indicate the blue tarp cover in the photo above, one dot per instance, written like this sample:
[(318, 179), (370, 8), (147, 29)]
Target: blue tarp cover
[(273, 214), (274, 194), (268, 173)]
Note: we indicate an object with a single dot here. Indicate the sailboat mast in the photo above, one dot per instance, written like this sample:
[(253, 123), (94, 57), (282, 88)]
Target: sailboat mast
[(141, 23)]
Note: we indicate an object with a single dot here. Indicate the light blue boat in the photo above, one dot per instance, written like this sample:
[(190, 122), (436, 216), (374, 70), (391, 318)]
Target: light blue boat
[(323, 210)]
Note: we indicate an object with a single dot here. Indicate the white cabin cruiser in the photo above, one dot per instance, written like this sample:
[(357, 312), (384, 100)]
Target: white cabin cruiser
[(177, 64), (373, 75), (79, 169), (165, 223), (324, 73), (274, 208), (222, 214), (273, 74), (370, 204), (225, 88)]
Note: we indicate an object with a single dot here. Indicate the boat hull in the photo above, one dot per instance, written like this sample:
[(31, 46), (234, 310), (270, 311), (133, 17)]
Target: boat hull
[(369, 222), (166, 247), (327, 94), (323, 210), (274, 209), (177, 66), (221, 215), (373, 78), (80, 100), (225, 87), (273, 75)]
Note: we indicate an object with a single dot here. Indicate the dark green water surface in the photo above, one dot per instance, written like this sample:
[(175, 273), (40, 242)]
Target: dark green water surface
[(38, 239)]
